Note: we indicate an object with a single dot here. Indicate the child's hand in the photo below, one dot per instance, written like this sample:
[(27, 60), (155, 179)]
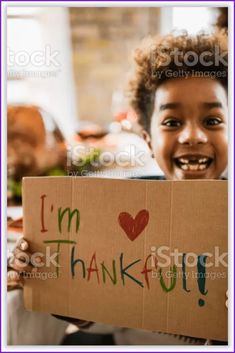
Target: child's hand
[(18, 263)]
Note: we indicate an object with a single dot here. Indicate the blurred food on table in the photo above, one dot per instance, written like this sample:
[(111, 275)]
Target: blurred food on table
[(35, 143), (36, 147), (88, 129)]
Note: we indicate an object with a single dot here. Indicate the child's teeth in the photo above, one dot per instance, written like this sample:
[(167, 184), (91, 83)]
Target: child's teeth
[(182, 160), (193, 164), (193, 167), (184, 167), (202, 166), (203, 160)]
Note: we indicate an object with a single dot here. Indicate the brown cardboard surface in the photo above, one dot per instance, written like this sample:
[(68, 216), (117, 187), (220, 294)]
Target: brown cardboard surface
[(131, 223)]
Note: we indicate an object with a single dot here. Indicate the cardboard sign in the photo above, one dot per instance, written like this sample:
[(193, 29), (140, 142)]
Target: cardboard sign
[(131, 253)]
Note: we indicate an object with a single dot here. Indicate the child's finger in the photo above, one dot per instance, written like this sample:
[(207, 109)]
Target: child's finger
[(22, 255), (21, 266), (13, 275), (19, 256), (14, 280), (37, 261), (27, 257), (22, 244)]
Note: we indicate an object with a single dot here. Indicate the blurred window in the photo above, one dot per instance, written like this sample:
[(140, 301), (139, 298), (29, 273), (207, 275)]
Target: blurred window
[(191, 18), (39, 68)]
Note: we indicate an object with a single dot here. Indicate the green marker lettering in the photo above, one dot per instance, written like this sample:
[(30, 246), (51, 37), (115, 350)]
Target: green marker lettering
[(59, 242), (124, 273), (71, 214), (173, 270), (75, 262), (105, 270)]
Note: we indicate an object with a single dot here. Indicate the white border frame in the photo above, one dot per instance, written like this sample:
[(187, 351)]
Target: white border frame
[(229, 348)]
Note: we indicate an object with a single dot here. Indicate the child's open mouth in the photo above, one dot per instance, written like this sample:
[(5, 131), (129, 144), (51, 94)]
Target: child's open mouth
[(193, 163)]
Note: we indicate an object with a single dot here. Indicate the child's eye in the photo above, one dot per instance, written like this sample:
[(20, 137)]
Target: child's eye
[(213, 121), (171, 122)]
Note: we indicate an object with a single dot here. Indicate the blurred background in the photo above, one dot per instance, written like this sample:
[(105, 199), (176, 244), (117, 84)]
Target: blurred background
[(94, 46), (67, 71)]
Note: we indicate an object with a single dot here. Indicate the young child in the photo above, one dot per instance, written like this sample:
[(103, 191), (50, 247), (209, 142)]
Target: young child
[(183, 106), (179, 93)]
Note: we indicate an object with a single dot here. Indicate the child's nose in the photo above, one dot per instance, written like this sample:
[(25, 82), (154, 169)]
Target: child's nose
[(192, 135)]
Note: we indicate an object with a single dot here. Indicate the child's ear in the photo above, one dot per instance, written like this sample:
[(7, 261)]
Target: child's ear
[(147, 139)]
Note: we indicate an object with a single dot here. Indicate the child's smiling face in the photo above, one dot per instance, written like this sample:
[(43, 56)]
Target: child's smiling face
[(189, 128)]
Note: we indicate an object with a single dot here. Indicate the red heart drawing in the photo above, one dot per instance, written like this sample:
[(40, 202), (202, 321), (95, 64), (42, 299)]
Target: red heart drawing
[(133, 227)]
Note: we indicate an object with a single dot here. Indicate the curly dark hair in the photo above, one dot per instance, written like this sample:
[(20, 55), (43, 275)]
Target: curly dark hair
[(156, 57), (222, 20)]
